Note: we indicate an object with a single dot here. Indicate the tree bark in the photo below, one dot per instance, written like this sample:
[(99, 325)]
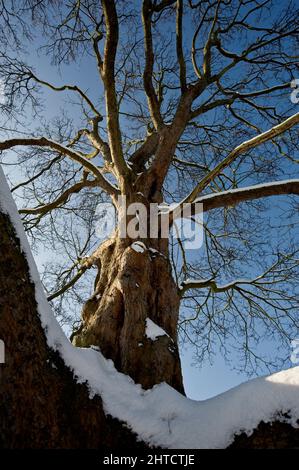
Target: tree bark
[(41, 405), (132, 287), (276, 435)]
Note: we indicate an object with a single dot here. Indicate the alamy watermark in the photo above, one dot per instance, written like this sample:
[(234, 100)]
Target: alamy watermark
[(2, 92), (295, 93), (295, 353), (2, 352), (139, 221)]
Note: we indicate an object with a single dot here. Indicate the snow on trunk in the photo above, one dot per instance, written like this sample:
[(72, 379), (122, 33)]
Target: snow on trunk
[(153, 331)]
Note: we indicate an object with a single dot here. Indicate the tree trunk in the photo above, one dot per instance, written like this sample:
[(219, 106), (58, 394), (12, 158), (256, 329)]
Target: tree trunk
[(41, 405), (132, 288)]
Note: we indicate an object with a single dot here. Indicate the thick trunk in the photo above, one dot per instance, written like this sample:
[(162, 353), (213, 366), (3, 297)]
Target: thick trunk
[(132, 288), (41, 405)]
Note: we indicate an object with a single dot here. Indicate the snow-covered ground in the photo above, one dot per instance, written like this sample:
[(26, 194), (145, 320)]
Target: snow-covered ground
[(162, 416)]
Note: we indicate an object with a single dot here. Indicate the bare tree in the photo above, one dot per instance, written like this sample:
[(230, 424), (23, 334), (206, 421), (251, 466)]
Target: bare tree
[(193, 105)]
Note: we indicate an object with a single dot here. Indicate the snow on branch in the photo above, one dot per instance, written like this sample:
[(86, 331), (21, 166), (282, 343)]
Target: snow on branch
[(211, 284), (233, 197), (241, 149)]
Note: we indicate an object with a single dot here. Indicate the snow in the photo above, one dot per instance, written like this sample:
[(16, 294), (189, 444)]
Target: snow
[(199, 282), (164, 207), (139, 247), (153, 331), (162, 416), (156, 252), (240, 190), (207, 283)]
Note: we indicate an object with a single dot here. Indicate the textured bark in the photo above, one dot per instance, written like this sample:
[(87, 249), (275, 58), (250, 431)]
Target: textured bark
[(41, 405), (275, 435), (130, 288)]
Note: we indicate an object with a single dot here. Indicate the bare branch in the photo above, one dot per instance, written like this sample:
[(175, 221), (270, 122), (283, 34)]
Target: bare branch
[(67, 88), (108, 74), (69, 284), (241, 149), (44, 142), (179, 45), (37, 175), (62, 199), (233, 96), (153, 102)]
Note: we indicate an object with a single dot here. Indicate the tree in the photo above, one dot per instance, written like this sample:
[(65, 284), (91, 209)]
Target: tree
[(196, 104), (43, 404)]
